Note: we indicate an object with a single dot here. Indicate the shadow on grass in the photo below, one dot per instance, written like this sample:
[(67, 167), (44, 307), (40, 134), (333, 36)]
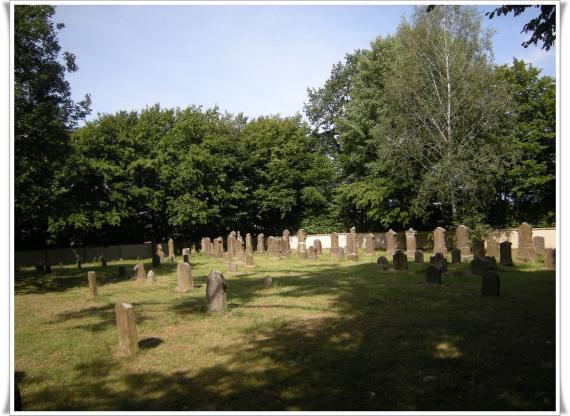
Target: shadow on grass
[(396, 343)]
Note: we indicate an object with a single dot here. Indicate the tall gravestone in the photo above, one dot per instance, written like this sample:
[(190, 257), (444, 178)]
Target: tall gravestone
[(419, 256), (219, 247), (340, 253), (492, 248), (334, 243), (411, 242), (400, 260), (505, 253), (369, 244), (260, 243), (352, 245), (439, 245), (391, 245), (207, 248), (526, 248), (301, 244), (159, 252), (92, 278), (478, 248), (286, 244), (270, 245), (538, 243), (462, 241), (216, 289), (171, 256), (248, 244), (125, 318), (184, 277), (318, 247), (239, 249), (550, 258)]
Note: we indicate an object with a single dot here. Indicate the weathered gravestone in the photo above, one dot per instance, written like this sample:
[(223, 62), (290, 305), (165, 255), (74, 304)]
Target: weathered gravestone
[(340, 253), (318, 247), (184, 276), (390, 242), (492, 249), (419, 256), (490, 284), (270, 249), (248, 244), (301, 236), (92, 278), (433, 274), (139, 272), (286, 245), (462, 241), (538, 243), (249, 260), (456, 255), (505, 253), (186, 255), (171, 256), (123, 273), (206, 248), (370, 244), (212, 249), (267, 282), (230, 244), (383, 262), (526, 248), (439, 260), (439, 245), (125, 317), (260, 243), (151, 277), (491, 262), (400, 260), (239, 249), (550, 258), (312, 253), (216, 291), (352, 244), (411, 242), (479, 266), (232, 267), (334, 243), (219, 246), (478, 248)]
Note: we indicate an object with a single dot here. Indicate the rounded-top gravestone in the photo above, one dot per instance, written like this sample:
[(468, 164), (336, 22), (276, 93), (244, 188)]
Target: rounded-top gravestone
[(216, 289)]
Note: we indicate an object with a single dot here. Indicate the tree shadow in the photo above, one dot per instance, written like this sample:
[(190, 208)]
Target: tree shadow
[(149, 343)]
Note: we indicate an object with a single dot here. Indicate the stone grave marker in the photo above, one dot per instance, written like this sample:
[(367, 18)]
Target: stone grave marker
[(505, 253), (232, 267), (383, 262), (419, 256), (439, 260), (462, 243), (490, 284), (538, 243), (311, 253), (526, 248), (550, 258), (400, 260), (216, 289), (171, 256), (318, 247), (249, 260), (391, 242), (206, 248), (456, 255), (439, 245), (139, 272), (411, 242), (286, 249), (267, 282), (433, 274), (479, 266), (334, 243), (125, 317), (478, 248), (151, 277), (340, 253), (248, 244), (352, 244), (370, 244), (260, 243), (184, 277), (92, 278)]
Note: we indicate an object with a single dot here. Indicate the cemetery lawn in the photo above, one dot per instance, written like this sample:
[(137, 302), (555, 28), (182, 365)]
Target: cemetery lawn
[(329, 335)]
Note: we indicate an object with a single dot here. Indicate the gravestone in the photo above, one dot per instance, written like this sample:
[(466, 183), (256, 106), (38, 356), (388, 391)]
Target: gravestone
[(400, 260), (311, 253), (318, 247), (419, 256), (391, 242), (340, 253), (230, 244), (492, 249), (171, 256), (490, 284), (505, 253), (478, 248), (352, 244), (301, 236), (155, 260), (184, 276), (438, 260), (248, 244), (433, 274), (550, 258), (212, 249), (479, 266), (352, 256), (160, 252), (232, 267), (249, 260), (270, 245), (286, 248), (125, 318), (193, 251), (411, 242), (92, 278), (238, 252), (526, 248), (260, 243), (103, 261), (334, 243), (123, 273), (491, 262), (456, 255), (139, 272), (462, 241), (538, 243), (383, 262), (369, 244), (267, 282), (216, 291), (206, 248), (439, 245), (151, 277), (219, 244)]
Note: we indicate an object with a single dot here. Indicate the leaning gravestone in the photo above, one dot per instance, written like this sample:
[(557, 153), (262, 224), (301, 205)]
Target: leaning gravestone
[(125, 317), (439, 241), (390, 242), (383, 262), (184, 277), (490, 284), (479, 266), (462, 241), (433, 274), (526, 248), (478, 248), (411, 242), (267, 282), (334, 243), (139, 272), (456, 255), (492, 249), (369, 244), (419, 256), (260, 243), (550, 258), (216, 291), (505, 253), (538, 243), (232, 267), (400, 260), (91, 277)]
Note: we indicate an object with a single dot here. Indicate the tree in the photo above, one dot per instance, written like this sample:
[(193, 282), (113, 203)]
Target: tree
[(44, 113)]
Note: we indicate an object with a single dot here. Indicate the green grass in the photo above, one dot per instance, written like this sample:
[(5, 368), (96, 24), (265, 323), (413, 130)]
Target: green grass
[(328, 336)]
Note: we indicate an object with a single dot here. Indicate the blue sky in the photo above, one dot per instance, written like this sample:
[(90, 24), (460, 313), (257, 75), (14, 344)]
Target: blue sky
[(257, 60)]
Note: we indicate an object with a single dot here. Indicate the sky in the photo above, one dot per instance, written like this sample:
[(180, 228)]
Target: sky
[(258, 60)]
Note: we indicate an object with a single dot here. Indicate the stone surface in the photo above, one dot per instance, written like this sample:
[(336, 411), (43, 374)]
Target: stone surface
[(419, 256), (456, 255), (340, 253), (249, 260), (352, 256), (391, 242), (302, 250), (186, 251), (184, 277), (186, 258), (492, 249), (439, 260), (433, 274), (411, 242), (151, 277), (525, 251), (171, 256), (478, 248), (206, 247), (505, 253), (248, 244), (318, 247), (301, 236), (216, 289), (439, 245), (383, 262), (260, 243), (286, 245), (352, 243), (538, 244), (232, 267), (125, 318), (492, 262), (370, 244), (267, 282), (139, 272), (92, 278), (462, 241), (490, 284), (479, 266), (550, 258), (400, 260), (334, 243)]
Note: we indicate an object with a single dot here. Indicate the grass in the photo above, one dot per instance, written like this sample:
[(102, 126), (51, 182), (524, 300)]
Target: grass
[(329, 335)]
